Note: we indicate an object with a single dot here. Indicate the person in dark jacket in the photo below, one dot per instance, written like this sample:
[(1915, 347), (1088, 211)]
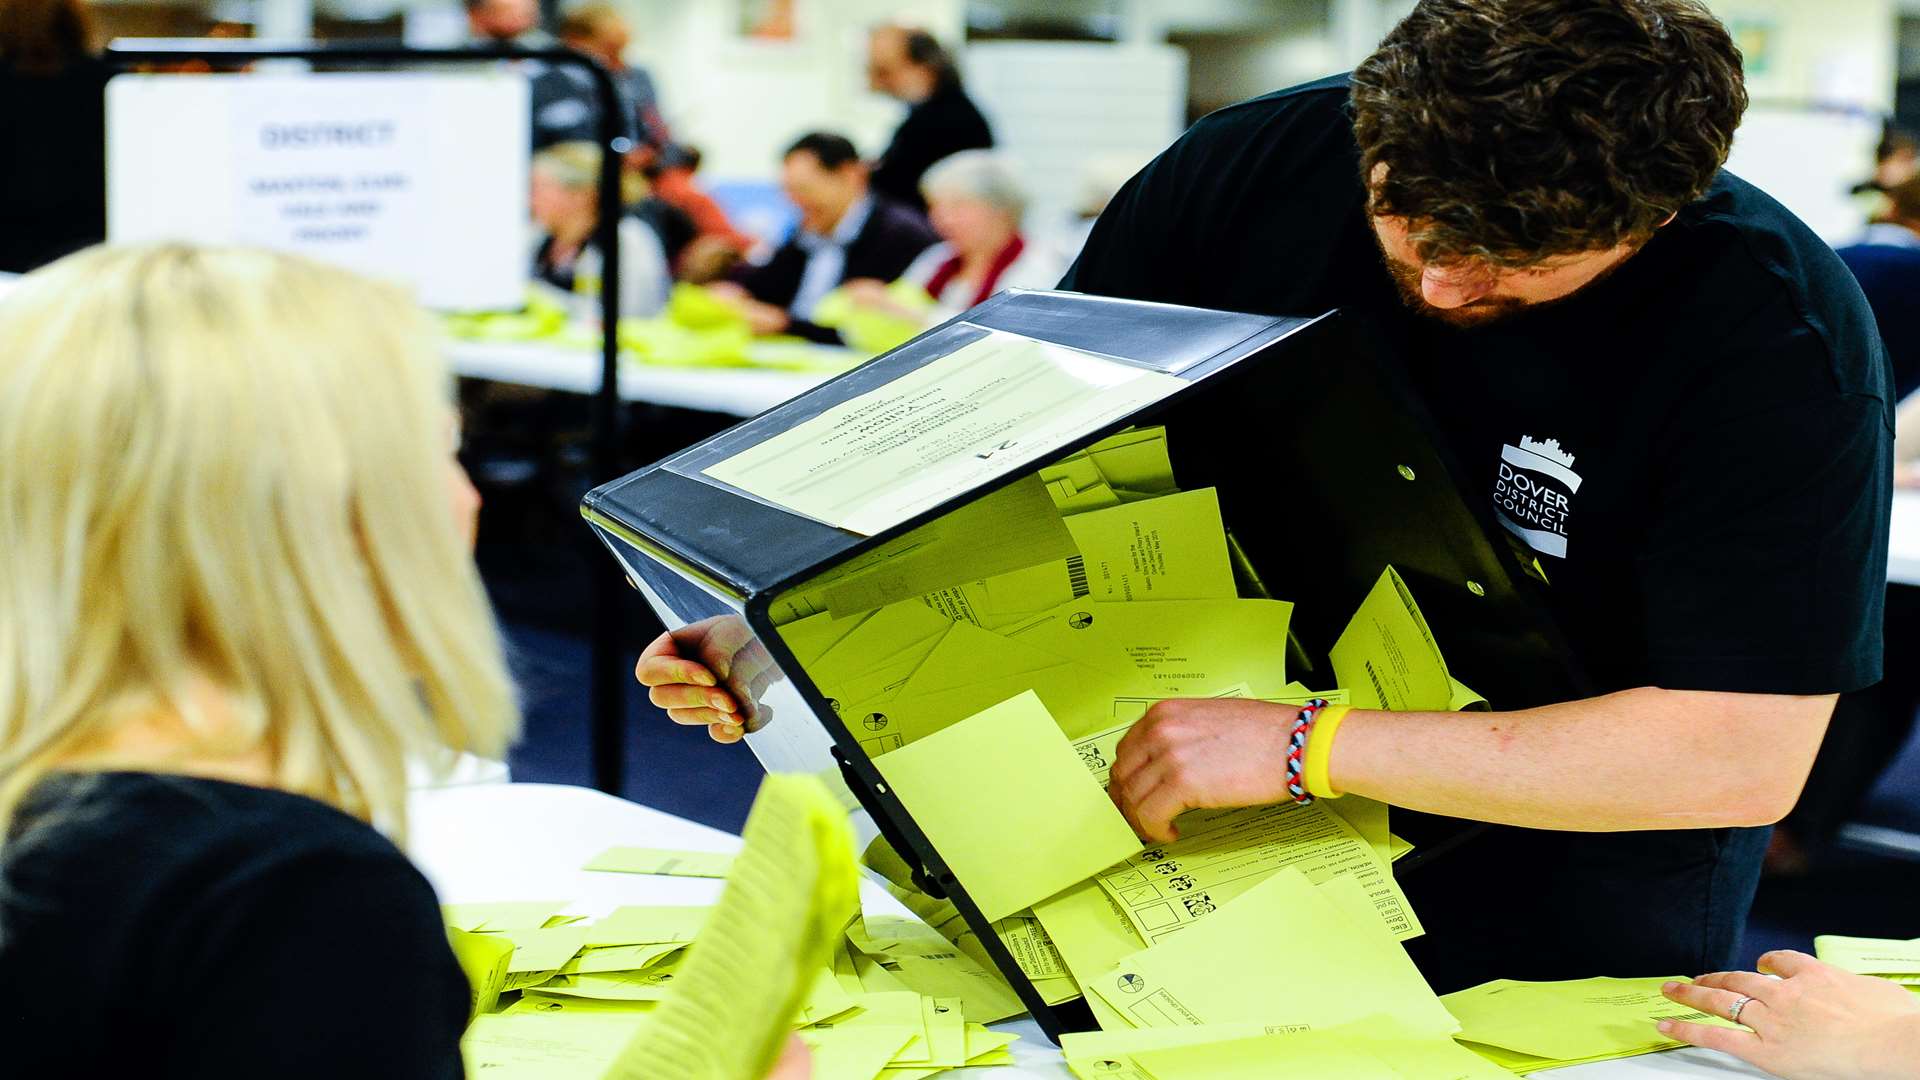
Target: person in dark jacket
[(1886, 262), (53, 146), (846, 231), (912, 67)]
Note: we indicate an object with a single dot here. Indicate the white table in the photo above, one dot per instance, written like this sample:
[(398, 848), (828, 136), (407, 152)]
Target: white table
[(528, 841), (735, 391)]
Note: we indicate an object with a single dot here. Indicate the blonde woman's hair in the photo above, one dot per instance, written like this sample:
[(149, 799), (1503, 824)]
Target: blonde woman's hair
[(228, 467)]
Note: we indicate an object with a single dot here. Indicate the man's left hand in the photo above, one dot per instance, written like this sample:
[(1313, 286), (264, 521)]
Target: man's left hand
[(1200, 753)]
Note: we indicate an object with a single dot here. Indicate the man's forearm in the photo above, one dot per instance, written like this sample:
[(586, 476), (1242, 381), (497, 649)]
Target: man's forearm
[(1638, 759)]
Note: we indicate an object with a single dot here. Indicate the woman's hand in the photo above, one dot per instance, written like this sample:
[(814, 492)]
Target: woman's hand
[(1816, 1022)]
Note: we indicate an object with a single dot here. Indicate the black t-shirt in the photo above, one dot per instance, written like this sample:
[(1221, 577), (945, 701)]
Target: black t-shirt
[(53, 163), (946, 123), (165, 926), (1696, 452)]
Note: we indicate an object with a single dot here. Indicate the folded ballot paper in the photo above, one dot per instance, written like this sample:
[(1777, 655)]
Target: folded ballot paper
[(692, 993), (1892, 959), (1528, 1027)]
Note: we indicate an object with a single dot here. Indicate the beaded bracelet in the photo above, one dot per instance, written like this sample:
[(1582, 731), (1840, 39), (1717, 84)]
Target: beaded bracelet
[(1297, 749)]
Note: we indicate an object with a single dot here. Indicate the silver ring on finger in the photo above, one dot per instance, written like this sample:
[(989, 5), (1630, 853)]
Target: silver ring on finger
[(1739, 1003)]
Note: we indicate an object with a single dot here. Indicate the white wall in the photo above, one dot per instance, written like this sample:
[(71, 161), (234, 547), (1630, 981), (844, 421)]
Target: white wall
[(1832, 52), (742, 101)]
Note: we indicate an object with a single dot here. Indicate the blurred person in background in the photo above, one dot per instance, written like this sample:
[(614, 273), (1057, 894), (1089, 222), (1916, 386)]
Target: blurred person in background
[(717, 245), (53, 145), (565, 201), (1886, 262), (598, 29), (506, 22), (560, 99), (846, 232), (911, 66), (976, 202)]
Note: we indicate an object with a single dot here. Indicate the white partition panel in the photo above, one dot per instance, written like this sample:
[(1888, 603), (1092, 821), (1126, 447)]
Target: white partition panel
[(1063, 108), (415, 177), (1809, 159)]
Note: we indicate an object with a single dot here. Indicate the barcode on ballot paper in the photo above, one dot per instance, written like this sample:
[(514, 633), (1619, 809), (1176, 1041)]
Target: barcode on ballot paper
[(1379, 692), (1077, 576)]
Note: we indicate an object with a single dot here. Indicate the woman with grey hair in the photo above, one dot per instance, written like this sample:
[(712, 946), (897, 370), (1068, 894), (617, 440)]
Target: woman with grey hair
[(975, 201), (565, 204)]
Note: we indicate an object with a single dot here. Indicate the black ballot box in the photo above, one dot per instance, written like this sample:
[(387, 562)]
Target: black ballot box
[(1321, 461)]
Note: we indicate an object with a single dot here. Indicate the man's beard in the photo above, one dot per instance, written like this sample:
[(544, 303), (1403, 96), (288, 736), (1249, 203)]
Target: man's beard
[(1406, 281), (1485, 312)]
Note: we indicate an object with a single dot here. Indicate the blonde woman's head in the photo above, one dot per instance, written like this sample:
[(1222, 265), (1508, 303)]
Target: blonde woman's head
[(230, 471)]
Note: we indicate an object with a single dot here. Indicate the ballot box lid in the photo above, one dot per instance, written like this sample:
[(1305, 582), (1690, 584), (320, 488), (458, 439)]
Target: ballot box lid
[(746, 547)]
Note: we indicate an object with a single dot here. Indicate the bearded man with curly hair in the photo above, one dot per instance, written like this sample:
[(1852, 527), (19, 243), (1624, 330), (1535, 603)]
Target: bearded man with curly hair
[(1672, 397)]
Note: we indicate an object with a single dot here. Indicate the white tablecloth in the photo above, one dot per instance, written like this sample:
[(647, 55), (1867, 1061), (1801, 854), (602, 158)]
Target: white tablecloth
[(528, 841)]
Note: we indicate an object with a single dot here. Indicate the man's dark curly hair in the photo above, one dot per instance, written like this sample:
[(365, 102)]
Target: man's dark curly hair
[(1517, 130)]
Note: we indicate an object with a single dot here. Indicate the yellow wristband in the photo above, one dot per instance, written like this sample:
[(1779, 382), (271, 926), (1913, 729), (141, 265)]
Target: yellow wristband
[(1313, 771)]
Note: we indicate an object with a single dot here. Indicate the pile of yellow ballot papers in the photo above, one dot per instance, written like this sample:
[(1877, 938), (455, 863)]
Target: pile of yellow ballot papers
[(696, 330), (1892, 959), (1010, 645), (695, 993)]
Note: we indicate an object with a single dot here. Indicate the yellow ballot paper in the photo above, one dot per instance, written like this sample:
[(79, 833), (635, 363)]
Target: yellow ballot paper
[(850, 1052), (1888, 958), (1168, 548), (1078, 696), (1233, 966), (1004, 531), (1093, 935), (646, 925), (1221, 855), (483, 959), (508, 915), (535, 1044), (1006, 801), (809, 638), (914, 955), (661, 862), (610, 958), (544, 949), (1125, 466), (1184, 648), (1387, 658), (1526, 1026), (792, 890), (1376, 1047), (990, 407)]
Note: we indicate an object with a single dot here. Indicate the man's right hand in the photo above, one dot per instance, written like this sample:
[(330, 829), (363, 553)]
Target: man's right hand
[(710, 673)]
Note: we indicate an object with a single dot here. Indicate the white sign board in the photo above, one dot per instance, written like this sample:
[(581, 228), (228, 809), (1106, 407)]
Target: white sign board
[(419, 178)]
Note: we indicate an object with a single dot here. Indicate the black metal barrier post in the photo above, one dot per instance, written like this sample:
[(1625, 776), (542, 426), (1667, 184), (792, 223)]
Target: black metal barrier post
[(607, 680)]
